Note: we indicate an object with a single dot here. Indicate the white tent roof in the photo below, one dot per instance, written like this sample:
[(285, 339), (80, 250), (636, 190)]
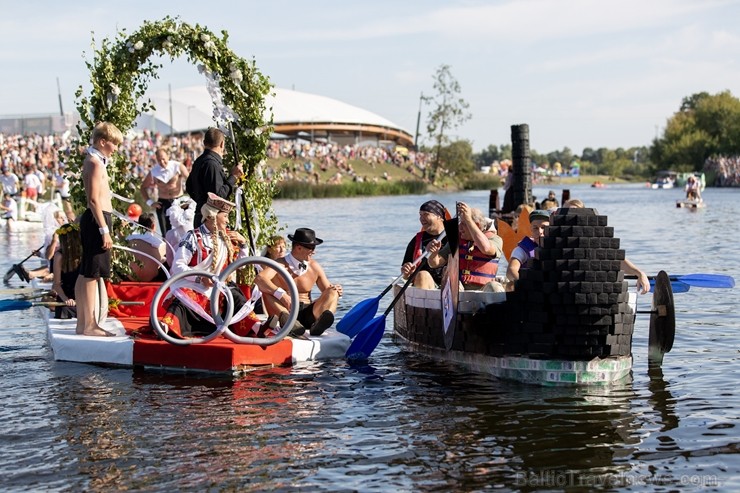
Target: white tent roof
[(192, 109)]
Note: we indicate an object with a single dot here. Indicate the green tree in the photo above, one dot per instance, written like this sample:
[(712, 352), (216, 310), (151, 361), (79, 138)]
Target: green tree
[(705, 125), (448, 111), (487, 156), (689, 103), (506, 151), (589, 154), (456, 159)]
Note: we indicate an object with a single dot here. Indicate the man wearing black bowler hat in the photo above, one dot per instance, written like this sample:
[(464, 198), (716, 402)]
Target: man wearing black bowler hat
[(317, 315)]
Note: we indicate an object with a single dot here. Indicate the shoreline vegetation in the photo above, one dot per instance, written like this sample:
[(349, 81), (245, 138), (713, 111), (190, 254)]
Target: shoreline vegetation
[(388, 179)]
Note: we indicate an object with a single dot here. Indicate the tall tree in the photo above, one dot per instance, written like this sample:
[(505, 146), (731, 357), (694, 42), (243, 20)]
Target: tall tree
[(705, 125), (457, 160), (487, 156), (448, 111)]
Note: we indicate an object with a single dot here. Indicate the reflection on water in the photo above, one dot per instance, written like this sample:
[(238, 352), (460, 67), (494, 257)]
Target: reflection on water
[(401, 422)]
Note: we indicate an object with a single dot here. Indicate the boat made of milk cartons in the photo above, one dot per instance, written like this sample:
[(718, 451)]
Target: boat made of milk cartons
[(569, 319)]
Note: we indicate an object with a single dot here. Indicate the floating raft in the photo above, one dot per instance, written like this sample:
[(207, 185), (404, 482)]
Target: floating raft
[(690, 204), (220, 355), (217, 356)]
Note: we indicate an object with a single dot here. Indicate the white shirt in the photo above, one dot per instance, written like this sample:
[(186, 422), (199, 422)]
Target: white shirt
[(10, 183), (12, 212)]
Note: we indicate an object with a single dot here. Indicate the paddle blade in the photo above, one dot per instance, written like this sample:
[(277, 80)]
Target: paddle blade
[(8, 305), (706, 280), (356, 319), (676, 286), (367, 340)]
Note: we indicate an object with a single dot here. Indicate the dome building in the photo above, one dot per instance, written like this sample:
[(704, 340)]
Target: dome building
[(296, 115)]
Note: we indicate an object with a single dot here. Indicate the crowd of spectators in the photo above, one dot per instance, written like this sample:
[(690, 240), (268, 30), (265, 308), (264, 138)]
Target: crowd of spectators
[(40, 155), (335, 158), (726, 171)]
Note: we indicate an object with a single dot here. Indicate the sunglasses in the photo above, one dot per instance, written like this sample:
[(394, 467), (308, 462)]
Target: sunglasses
[(308, 247)]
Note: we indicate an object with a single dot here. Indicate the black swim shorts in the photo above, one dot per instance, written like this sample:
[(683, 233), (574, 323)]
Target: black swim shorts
[(95, 259)]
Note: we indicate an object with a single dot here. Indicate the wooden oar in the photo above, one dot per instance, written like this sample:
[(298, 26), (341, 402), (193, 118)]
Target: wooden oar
[(698, 280), (25, 292), (9, 305), (12, 270), (360, 314), (370, 335)]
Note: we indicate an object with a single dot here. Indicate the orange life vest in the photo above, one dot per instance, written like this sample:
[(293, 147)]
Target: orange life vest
[(475, 267)]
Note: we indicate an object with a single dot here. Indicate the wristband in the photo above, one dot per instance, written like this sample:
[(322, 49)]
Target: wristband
[(278, 293), (103, 230), (149, 202)]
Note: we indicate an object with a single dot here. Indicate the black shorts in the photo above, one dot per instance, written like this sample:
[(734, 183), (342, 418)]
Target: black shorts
[(95, 259), (305, 314)]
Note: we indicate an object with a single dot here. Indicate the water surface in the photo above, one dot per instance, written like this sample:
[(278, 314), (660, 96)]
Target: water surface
[(402, 422)]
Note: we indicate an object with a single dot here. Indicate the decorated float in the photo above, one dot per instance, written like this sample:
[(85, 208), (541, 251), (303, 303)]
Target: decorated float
[(140, 344), (120, 70)]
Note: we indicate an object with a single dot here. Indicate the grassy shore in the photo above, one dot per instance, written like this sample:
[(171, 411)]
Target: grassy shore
[(589, 179), (388, 179)]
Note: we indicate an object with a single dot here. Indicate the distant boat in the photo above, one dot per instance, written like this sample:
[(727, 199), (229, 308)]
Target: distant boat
[(598, 184), (664, 179)]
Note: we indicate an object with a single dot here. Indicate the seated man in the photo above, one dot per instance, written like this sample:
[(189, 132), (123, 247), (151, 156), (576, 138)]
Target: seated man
[(143, 268), (523, 254), (210, 247), (479, 251), (317, 315), (432, 215)]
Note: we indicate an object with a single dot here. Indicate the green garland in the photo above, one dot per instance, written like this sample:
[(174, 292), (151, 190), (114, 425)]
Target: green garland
[(120, 71)]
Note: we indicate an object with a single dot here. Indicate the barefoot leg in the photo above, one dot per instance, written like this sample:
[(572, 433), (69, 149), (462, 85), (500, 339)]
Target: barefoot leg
[(86, 291)]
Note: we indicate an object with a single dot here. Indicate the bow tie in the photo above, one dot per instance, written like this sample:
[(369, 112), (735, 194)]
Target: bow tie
[(302, 266)]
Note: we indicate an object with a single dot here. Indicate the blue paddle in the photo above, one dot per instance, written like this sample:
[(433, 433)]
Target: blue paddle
[(369, 337), (360, 314), (706, 280), (698, 280), (676, 286), (9, 305)]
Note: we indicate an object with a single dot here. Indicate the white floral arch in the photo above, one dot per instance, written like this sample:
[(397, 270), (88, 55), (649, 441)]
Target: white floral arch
[(120, 71)]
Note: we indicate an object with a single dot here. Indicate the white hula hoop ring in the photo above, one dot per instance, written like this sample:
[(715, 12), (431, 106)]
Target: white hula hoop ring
[(221, 324), (292, 290)]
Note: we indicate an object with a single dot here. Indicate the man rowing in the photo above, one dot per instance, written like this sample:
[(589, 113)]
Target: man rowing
[(432, 215)]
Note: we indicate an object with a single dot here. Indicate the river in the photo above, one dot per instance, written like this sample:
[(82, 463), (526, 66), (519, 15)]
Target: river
[(401, 422)]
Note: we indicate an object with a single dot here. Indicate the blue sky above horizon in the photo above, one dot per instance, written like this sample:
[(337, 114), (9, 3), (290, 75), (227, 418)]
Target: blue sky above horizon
[(581, 73)]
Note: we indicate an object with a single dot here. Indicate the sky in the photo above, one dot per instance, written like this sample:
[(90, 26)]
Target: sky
[(580, 73)]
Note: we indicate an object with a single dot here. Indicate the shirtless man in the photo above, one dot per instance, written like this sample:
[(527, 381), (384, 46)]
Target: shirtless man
[(317, 315), (162, 185), (143, 268), (95, 224)]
